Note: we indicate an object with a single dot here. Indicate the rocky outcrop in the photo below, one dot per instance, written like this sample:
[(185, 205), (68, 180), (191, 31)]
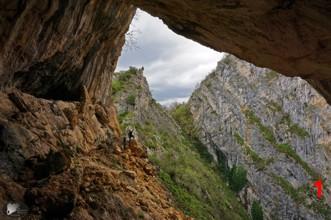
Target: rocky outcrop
[(292, 37), (277, 128), (51, 49), (66, 160), (142, 107), (195, 183), (69, 44)]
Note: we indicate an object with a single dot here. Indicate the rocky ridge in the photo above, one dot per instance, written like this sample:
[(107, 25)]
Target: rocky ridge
[(65, 160), (188, 173), (276, 127)]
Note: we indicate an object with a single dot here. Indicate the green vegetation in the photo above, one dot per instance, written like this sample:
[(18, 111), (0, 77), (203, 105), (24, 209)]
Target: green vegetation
[(288, 188), (188, 171), (256, 211), (186, 200), (293, 127), (116, 86), (237, 178), (283, 148), (196, 185), (122, 79), (259, 162), (131, 100), (288, 150), (124, 76), (186, 168), (182, 115), (266, 132)]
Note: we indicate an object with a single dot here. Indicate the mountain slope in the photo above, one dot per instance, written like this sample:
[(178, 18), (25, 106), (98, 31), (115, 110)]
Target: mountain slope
[(276, 128), (195, 183)]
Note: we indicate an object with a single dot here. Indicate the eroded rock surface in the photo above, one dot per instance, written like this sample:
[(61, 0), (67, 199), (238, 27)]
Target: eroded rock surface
[(51, 49), (277, 128), (65, 160), (76, 43), (290, 36)]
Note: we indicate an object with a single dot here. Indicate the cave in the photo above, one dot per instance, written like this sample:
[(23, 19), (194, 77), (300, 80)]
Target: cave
[(73, 44)]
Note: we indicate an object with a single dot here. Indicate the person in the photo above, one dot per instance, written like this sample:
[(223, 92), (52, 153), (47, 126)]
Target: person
[(130, 134)]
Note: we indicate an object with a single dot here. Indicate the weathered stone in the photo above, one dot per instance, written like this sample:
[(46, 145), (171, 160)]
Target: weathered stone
[(273, 126), (53, 48), (59, 171), (292, 37)]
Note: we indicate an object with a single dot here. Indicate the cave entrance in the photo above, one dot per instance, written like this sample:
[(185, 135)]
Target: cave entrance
[(173, 64)]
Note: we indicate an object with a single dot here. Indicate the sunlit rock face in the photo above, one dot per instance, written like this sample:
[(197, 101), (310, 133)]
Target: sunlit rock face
[(292, 37), (277, 128), (52, 48)]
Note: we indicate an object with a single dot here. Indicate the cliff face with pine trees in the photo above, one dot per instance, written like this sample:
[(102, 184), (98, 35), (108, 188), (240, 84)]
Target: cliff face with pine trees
[(275, 128)]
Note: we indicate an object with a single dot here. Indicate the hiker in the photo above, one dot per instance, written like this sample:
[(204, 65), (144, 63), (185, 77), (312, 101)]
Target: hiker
[(130, 134)]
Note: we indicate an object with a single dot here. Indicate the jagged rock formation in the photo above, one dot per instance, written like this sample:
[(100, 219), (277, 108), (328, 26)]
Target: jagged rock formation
[(51, 49), (278, 128), (194, 181), (65, 160), (77, 43), (292, 37), (133, 98)]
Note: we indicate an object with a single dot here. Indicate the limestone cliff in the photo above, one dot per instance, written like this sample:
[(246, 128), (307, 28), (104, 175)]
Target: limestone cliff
[(187, 172), (290, 36), (76, 43), (51, 49), (277, 128)]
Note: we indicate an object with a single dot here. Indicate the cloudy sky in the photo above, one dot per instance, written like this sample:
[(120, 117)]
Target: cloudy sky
[(173, 65)]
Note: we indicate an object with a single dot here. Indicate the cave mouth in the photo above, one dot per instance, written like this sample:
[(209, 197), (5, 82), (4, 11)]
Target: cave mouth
[(43, 80), (173, 65)]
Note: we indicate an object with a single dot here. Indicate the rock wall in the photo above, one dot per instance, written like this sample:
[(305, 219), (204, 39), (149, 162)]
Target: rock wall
[(65, 160), (74, 43), (144, 108), (51, 49), (290, 36), (278, 128)]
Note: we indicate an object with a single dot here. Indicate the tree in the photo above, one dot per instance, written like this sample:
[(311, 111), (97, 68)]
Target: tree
[(256, 211), (131, 100), (237, 178)]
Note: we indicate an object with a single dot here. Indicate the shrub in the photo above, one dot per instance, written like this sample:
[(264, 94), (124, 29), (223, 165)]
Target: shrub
[(126, 75), (256, 211), (182, 115), (237, 178), (116, 86), (131, 100), (266, 131)]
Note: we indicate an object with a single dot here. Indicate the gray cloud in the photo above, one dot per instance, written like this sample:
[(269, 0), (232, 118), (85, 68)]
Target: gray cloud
[(173, 64)]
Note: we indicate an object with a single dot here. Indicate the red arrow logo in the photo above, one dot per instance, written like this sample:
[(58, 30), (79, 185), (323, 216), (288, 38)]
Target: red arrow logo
[(319, 185)]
